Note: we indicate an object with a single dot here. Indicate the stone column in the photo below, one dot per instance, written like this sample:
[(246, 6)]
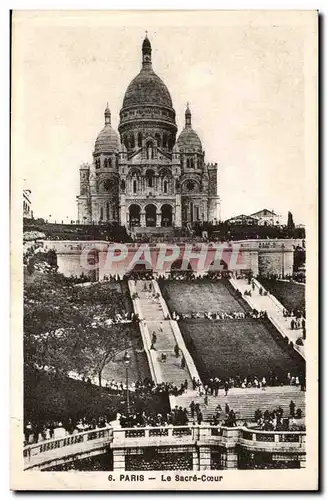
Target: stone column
[(230, 459), (118, 460), (124, 216), (178, 210), (254, 261), (204, 458), (158, 219), (195, 460), (143, 219)]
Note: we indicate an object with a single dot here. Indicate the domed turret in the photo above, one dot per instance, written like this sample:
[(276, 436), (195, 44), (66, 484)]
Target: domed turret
[(188, 141), (108, 140)]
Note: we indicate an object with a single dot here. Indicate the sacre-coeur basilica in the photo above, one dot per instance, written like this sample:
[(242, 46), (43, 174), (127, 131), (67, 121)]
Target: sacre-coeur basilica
[(146, 174)]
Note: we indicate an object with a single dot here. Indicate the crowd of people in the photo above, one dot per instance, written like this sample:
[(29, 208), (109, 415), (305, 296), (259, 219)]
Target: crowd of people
[(177, 416), (35, 431), (273, 420), (215, 316), (214, 384)]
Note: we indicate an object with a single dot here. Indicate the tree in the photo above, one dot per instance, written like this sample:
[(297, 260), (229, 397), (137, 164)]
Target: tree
[(290, 223), (66, 327), (100, 345)]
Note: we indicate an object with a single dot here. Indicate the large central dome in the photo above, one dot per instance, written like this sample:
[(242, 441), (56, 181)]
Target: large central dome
[(147, 109), (147, 88)]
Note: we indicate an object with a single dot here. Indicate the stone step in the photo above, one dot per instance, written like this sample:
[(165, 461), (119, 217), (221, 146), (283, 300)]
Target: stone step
[(245, 404)]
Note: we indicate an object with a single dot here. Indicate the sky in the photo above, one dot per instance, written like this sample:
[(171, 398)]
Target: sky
[(244, 81)]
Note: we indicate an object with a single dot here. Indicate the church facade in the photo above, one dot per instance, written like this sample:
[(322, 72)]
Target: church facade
[(145, 175)]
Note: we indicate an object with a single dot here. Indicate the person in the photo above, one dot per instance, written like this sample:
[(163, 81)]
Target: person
[(292, 408), (177, 351), (206, 399), (194, 383), (192, 409), (299, 413), (183, 363), (226, 388), (218, 411), (216, 386), (226, 409), (199, 417)]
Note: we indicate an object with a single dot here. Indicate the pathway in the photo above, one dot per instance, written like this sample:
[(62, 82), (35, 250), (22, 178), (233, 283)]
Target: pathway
[(153, 315)]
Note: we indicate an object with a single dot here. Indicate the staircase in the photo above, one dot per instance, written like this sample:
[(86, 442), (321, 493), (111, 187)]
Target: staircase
[(245, 401), (154, 317)]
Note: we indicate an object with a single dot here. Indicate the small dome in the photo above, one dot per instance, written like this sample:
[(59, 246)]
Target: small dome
[(108, 140), (188, 140)]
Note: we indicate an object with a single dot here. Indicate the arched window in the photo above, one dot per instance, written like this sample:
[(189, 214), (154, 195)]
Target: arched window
[(165, 187), (132, 141), (188, 162), (126, 142), (107, 211), (164, 141), (150, 178), (109, 162), (191, 163), (140, 140), (101, 213), (158, 139), (105, 163), (134, 187)]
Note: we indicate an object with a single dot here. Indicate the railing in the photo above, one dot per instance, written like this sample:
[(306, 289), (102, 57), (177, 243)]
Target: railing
[(198, 435), (275, 437), (67, 443)]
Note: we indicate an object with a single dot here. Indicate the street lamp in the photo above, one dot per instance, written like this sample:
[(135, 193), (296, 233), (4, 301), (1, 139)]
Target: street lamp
[(126, 360)]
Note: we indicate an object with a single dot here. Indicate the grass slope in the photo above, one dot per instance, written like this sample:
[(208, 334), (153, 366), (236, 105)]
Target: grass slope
[(230, 348), (201, 296), (291, 295)]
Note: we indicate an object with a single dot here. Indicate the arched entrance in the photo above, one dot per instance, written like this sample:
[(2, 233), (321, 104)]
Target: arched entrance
[(134, 215), (150, 215), (166, 219)]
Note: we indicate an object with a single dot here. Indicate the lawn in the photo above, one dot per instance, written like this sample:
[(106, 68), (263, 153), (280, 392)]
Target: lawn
[(201, 296), (291, 295), (242, 347)]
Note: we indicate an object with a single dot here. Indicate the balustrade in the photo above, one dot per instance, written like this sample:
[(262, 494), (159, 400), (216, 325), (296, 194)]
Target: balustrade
[(181, 431), (135, 433), (197, 434), (289, 438)]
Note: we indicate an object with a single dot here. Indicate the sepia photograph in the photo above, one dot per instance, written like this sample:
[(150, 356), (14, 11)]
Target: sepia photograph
[(164, 250)]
